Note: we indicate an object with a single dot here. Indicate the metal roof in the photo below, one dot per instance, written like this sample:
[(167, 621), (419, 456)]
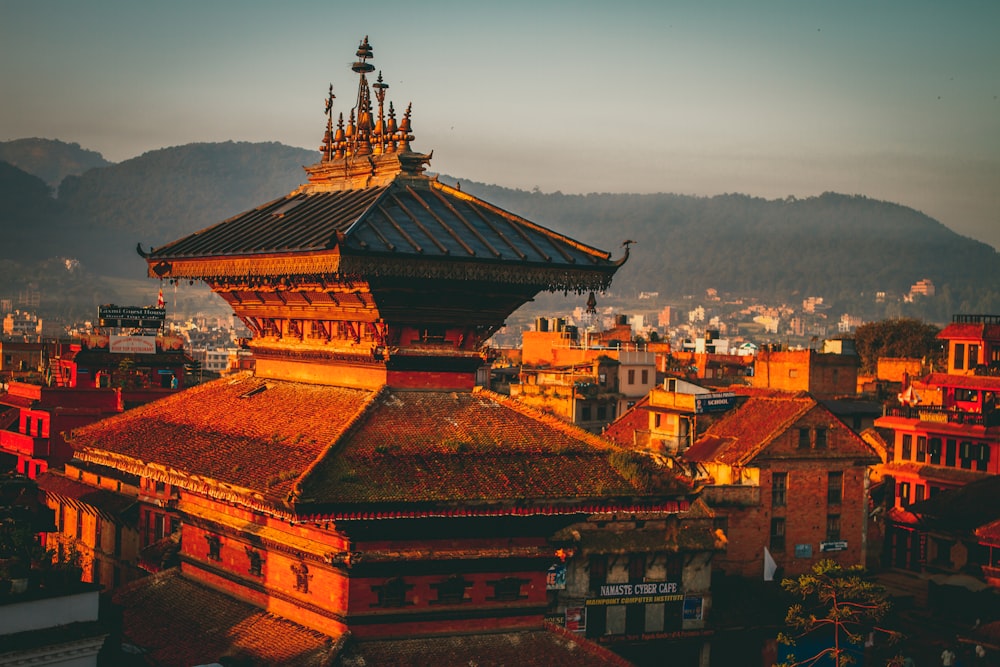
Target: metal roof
[(417, 217)]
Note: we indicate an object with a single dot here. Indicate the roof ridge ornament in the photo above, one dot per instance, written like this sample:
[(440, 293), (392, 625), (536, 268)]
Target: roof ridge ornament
[(371, 148)]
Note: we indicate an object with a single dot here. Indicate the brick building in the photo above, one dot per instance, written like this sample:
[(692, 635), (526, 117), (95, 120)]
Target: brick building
[(822, 374), (781, 472), (357, 481)]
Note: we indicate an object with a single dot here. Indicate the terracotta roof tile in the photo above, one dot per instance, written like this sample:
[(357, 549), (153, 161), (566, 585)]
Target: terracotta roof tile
[(530, 648), (241, 431), (176, 621), (326, 447), (468, 447), (747, 429), (970, 331), (631, 427)]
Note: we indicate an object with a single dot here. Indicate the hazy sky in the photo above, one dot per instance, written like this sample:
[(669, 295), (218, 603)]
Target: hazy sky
[(897, 100)]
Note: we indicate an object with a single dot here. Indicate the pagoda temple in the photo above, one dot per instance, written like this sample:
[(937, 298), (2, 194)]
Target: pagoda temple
[(358, 491)]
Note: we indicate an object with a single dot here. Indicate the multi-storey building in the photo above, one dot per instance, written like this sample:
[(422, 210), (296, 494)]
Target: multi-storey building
[(357, 481), (945, 432), (783, 474)]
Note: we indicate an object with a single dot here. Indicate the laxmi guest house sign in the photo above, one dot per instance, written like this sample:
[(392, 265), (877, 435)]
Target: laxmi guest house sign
[(644, 593), (130, 317)]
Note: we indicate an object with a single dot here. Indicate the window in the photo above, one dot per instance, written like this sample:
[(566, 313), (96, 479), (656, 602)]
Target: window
[(950, 449), (507, 589), (804, 438), (214, 547), (958, 360), (602, 412), (302, 577), (451, 590), (656, 420), (392, 593), (98, 533), (821, 438), (965, 454), (903, 493), (645, 376), (906, 450), (832, 527), (918, 492), (256, 568), (779, 488), (934, 447), (834, 488), (982, 456), (921, 448), (973, 356), (585, 413), (636, 568), (631, 376), (79, 525), (793, 372), (777, 534), (598, 567)]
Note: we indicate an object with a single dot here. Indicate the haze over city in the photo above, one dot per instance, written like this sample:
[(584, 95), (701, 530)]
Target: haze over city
[(897, 101)]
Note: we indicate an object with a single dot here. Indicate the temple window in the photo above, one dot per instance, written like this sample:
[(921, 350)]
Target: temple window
[(451, 590), (507, 589), (392, 593), (214, 547), (256, 563), (302, 577)]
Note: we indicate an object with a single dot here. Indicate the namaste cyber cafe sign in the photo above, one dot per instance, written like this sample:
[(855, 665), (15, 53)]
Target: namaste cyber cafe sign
[(644, 593)]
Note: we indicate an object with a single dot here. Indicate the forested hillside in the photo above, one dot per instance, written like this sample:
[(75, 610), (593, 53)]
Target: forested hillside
[(841, 247)]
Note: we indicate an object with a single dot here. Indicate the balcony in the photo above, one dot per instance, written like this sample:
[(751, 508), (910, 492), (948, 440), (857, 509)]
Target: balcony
[(939, 415), (24, 444), (731, 495)]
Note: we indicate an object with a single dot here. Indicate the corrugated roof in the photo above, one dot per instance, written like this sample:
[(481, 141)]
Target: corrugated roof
[(415, 216), (984, 382)]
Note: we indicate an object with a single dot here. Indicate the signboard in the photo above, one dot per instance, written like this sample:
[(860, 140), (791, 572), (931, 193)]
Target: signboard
[(132, 344), (131, 317), (615, 594), (693, 608), (803, 551), (555, 580), (840, 545), (715, 402), (576, 619)]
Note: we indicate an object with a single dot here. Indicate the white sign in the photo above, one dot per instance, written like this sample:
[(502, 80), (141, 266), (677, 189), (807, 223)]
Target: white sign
[(132, 344)]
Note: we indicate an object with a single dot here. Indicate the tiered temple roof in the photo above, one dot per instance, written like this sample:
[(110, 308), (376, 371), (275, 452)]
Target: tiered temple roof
[(323, 452)]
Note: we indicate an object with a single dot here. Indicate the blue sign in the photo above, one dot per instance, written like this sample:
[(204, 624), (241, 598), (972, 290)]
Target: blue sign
[(714, 402)]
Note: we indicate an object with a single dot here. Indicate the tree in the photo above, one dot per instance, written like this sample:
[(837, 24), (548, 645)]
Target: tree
[(840, 607), (903, 337)]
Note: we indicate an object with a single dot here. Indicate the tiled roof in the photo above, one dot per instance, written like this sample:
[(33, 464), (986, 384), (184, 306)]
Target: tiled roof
[(413, 217), (985, 382), (240, 431), (175, 621), (327, 448), (474, 447), (750, 427), (970, 331), (530, 648), (632, 427)]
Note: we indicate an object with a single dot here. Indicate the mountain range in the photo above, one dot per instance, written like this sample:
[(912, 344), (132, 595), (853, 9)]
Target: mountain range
[(70, 217)]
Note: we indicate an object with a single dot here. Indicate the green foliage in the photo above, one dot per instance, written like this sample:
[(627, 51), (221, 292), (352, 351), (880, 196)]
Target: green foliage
[(838, 602), (634, 467), (903, 337)]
